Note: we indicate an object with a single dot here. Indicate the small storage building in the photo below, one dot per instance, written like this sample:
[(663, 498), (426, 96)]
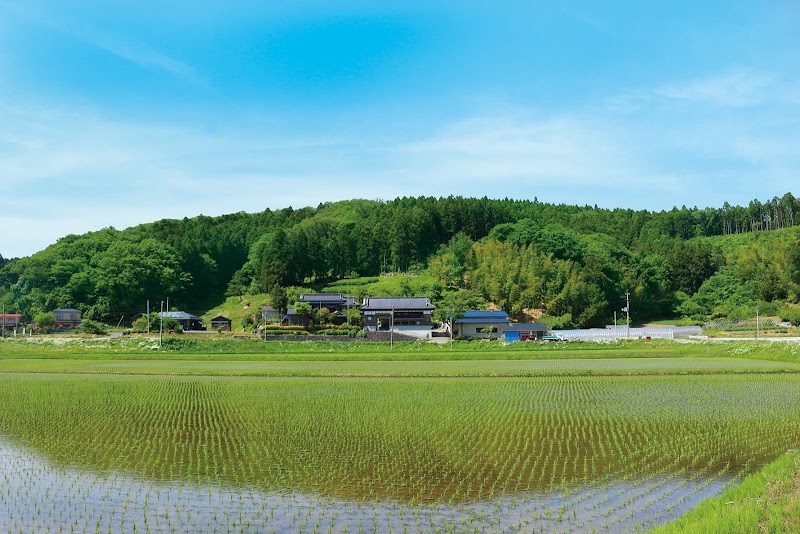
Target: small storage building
[(221, 322), (481, 323), (524, 332), (187, 321), (67, 317)]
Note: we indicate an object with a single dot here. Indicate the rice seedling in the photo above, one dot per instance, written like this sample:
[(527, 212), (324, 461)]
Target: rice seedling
[(528, 452)]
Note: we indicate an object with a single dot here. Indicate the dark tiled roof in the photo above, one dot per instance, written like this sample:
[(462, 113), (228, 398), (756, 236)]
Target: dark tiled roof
[(179, 315), (336, 298), (526, 327), (219, 318), (397, 303), (71, 310)]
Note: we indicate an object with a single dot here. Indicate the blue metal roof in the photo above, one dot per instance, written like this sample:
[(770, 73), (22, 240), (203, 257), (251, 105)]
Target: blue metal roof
[(479, 320), (483, 316), (484, 313)]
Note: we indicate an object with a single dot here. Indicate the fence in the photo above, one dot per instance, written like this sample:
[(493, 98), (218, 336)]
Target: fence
[(601, 334), (742, 323)]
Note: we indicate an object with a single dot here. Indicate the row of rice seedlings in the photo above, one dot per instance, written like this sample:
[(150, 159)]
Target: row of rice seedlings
[(419, 442)]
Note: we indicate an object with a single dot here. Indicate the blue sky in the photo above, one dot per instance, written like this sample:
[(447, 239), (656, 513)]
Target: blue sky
[(118, 113)]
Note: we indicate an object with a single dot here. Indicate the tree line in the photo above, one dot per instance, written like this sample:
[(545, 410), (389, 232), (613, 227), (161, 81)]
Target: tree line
[(525, 256)]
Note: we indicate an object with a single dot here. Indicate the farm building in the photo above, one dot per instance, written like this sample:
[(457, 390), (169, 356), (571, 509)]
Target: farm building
[(270, 314), (67, 317), (221, 322), (292, 318), (10, 320), (410, 315), (524, 331), (481, 323), (186, 320), (336, 303)]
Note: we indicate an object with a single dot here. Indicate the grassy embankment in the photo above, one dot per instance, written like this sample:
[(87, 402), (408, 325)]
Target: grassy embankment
[(766, 501), (224, 348)]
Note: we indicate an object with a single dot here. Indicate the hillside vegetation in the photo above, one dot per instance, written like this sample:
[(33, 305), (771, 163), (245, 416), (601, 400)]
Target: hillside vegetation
[(565, 265)]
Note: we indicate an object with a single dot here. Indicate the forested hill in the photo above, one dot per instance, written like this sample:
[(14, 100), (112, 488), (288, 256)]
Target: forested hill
[(569, 262)]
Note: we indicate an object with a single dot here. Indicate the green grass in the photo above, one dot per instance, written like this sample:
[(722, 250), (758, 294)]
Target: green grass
[(203, 348), (237, 308), (766, 501), (383, 286), (416, 368)]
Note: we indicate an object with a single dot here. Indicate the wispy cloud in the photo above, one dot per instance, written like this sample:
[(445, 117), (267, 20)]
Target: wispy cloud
[(505, 148), (736, 88), (732, 88), (124, 47), (141, 54)]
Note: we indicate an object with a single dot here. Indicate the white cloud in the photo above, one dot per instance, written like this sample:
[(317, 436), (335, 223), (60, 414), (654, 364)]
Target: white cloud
[(133, 50), (735, 88), (510, 148)]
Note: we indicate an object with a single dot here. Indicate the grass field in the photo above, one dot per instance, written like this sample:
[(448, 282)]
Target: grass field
[(110, 436), (425, 368)]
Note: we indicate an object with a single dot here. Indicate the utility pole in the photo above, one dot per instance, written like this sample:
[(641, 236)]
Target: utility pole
[(757, 328), (627, 310), (451, 329), (4, 322), (148, 316), (391, 331), (161, 325)]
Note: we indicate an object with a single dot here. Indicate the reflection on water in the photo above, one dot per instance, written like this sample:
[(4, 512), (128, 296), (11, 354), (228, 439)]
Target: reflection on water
[(38, 496), (115, 453)]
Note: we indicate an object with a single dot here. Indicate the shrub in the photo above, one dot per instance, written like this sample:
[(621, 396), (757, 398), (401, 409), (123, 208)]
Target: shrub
[(177, 343), (791, 316), (93, 327), (44, 319)]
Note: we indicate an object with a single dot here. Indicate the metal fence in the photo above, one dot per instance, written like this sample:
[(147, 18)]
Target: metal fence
[(601, 334)]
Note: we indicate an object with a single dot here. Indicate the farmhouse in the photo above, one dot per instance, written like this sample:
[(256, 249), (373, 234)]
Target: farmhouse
[(221, 322), (524, 331), (410, 315), (186, 320), (481, 323), (10, 320), (67, 317)]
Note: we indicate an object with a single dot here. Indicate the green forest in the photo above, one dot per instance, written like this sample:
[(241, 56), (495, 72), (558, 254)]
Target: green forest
[(569, 266)]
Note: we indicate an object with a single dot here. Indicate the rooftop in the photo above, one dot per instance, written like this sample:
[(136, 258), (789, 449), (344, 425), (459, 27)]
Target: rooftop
[(397, 303), (484, 316), (179, 315), (526, 327)]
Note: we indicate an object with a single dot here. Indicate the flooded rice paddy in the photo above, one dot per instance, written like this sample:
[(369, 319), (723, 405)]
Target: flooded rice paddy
[(106, 453)]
